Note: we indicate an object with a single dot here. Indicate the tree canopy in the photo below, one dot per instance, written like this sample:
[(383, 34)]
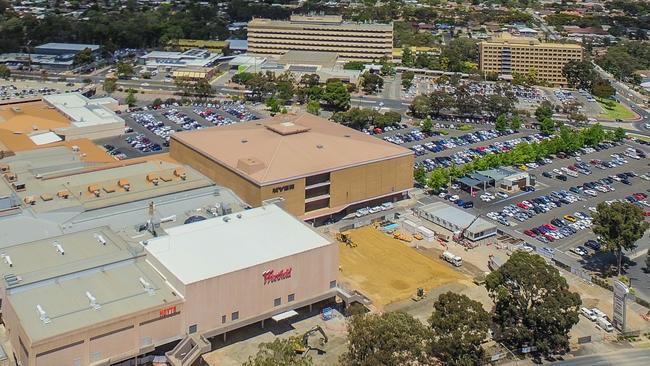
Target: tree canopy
[(533, 304), (459, 326), (620, 226), (393, 338), (280, 352)]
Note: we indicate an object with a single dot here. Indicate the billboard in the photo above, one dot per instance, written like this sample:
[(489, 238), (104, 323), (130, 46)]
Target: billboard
[(620, 297)]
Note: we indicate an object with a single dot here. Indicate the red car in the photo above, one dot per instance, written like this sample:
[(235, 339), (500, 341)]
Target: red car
[(646, 214), (640, 196), (530, 233), (549, 238), (550, 227)]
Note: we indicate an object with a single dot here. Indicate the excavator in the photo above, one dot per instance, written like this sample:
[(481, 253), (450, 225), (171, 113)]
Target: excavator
[(345, 238), (460, 238), (303, 347)]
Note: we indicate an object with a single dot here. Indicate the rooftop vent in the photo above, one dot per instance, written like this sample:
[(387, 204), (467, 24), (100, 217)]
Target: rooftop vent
[(58, 247), (43, 315), (226, 219), (319, 146), (147, 286), (243, 141), (100, 239), (239, 216), (93, 301), (7, 260)]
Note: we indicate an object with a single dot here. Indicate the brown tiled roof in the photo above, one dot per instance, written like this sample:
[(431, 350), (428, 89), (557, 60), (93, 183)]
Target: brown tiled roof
[(287, 147)]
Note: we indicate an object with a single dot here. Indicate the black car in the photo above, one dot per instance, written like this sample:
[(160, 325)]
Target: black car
[(625, 181), (561, 177), (109, 148), (547, 175), (592, 244)]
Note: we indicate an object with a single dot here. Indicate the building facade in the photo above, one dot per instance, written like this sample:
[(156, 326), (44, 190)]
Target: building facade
[(326, 33), (316, 167), (108, 300), (506, 55)]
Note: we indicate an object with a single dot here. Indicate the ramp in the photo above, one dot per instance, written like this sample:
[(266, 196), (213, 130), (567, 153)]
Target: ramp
[(188, 350)]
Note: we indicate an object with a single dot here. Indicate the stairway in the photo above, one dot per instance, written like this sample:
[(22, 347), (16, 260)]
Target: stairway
[(188, 350)]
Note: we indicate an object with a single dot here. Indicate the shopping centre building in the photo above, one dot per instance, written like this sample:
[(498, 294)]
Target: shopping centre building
[(99, 297), (316, 167)]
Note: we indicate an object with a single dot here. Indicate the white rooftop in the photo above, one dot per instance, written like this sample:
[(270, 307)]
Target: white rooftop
[(81, 110), (213, 247), (45, 138)]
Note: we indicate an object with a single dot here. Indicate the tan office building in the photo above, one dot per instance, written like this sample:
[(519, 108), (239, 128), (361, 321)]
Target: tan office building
[(319, 168), (507, 55), (325, 33)]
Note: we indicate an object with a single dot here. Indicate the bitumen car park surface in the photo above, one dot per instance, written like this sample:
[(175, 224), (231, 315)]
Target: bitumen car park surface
[(593, 261), (164, 116)]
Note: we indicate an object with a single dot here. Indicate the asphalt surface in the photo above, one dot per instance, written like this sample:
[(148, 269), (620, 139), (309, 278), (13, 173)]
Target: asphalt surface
[(594, 262), (628, 357)]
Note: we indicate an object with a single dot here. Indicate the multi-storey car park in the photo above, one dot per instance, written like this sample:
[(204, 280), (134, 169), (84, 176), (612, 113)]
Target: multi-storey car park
[(323, 33), (507, 55)]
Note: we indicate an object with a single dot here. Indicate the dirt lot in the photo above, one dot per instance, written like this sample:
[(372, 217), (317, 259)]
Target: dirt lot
[(387, 270)]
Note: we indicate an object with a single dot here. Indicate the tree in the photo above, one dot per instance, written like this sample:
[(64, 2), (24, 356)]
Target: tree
[(393, 338), (274, 105), (533, 304), (420, 106), (579, 74), (619, 226), (544, 111), (284, 91), (426, 125), (336, 95), (124, 69), (5, 72), (602, 89), (83, 57), (130, 98), (313, 107), (438, 179), (387, 67), (203, 88), (459, 326), (420, 175), (110, 85), (515, 123), (647, 262), (407, 79), (619, 134), (439, 100), (371, 83), (547, 126), (501, 123), (280, 352), (407, 57)]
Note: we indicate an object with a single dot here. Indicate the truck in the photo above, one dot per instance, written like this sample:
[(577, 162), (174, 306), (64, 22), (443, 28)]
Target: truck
[(455, 260)]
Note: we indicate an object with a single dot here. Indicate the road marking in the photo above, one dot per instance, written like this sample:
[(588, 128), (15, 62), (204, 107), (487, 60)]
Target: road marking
[(364, 101)]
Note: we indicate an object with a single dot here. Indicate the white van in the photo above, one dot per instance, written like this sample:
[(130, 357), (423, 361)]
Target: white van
[(598, 313), (455, 260), (605, 324)]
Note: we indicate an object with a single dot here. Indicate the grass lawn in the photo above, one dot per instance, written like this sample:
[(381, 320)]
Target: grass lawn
[(619, 111)]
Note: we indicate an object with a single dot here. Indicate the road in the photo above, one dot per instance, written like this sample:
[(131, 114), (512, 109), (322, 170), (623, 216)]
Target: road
[(628, 357)]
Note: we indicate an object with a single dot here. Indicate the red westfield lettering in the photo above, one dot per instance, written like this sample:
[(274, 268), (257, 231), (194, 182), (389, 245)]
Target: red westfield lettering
[(271, 276)]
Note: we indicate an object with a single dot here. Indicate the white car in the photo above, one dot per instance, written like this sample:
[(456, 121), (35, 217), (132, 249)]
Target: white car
[(375, 209), (589, 314), (598, 313), (579, 251), (454, 198), (387, 206), (591, 193), (502, 195)]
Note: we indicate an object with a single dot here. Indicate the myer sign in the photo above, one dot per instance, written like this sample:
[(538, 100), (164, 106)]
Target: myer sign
[(288, 187), (620, 297)]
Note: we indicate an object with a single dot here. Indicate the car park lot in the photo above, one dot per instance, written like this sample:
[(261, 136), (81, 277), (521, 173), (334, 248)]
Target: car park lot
[(574, 204), (149, 129)]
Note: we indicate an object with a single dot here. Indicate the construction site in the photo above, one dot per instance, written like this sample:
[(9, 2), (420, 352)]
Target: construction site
[(384, 268)]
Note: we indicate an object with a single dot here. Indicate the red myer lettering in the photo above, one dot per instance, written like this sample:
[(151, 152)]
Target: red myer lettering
[(271, 276)]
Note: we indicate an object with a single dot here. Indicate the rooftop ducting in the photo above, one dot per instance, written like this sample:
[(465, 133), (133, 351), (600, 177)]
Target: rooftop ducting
[(43, 315), (93, 301), (59, 248), (100, 239)]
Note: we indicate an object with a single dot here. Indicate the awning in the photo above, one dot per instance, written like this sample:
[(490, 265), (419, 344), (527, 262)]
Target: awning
[(285, 315)]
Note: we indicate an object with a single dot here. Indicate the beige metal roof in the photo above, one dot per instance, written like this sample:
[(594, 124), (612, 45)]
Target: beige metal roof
[(267, 151), (116, 288), (39, 260), (325, 59)]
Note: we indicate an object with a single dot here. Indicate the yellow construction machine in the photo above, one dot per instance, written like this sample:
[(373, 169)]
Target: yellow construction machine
[(345, 238)]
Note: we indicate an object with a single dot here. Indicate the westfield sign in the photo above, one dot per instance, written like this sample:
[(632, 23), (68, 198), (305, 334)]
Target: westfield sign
[(271, 276)]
